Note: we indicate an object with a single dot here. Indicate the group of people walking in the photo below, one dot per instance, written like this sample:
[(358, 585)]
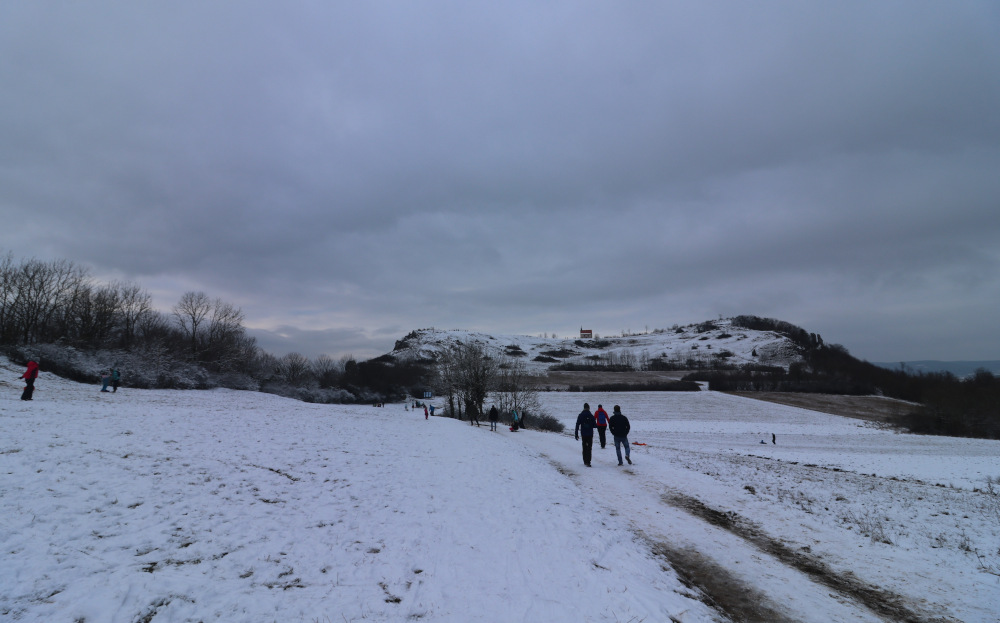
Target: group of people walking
[(618, 424)]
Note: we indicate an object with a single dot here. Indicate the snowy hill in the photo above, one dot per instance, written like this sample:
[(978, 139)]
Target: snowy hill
[(704, 342), (222, 505)]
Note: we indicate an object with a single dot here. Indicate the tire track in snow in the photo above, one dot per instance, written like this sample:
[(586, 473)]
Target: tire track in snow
[(880, 601), (711, 583), (739, 578)]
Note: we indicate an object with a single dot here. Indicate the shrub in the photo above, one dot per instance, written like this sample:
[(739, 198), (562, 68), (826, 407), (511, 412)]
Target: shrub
[(546, 423)]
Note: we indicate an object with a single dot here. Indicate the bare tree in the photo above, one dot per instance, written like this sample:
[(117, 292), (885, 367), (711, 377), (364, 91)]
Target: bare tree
[(8, 294), (327, 371), (295, 369), (447, 382), (135, 303), (191, 312), (473, 373), (514, 389), (223, 335), (39, 291)]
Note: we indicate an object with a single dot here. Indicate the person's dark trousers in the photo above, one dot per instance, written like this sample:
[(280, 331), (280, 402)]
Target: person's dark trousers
[(600, 433), (619, 442), (29, 389), (588, 445)]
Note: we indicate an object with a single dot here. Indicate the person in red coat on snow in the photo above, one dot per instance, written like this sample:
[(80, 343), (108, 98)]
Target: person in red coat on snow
[(29, 380), (601, 419)]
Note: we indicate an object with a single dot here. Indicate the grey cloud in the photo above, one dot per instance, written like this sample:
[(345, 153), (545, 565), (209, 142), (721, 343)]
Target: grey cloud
[(506, 167)]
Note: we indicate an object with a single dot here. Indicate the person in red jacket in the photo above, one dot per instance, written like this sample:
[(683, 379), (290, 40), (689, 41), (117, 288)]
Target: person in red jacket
[(601, 419), (29, 380)]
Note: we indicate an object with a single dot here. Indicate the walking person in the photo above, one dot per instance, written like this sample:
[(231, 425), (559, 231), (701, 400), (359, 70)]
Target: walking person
[(425, 412), (473, 415), (29, 377), (494, 416), (601, 418), (116, 378), (105, 379), (619, 427), (585, 429)]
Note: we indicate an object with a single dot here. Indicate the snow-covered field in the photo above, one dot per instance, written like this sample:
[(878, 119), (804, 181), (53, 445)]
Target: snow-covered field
[(235, 506)]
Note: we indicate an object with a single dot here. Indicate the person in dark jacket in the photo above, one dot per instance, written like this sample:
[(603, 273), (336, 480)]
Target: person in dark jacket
[(116, 378), (619, 427), (601, 418), (29, 377), (494, 416), (585, 428)]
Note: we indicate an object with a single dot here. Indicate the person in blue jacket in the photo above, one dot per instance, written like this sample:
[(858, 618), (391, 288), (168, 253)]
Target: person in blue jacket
[(585, 429)]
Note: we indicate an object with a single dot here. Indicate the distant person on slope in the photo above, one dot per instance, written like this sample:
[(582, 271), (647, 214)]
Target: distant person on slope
[(585, 428), (619, 426), (494, 416), (601, 418), (29, 377), (116, 378)]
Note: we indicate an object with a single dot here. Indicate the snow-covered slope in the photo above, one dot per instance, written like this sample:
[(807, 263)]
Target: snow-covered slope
[(705, 342), (174, 506)]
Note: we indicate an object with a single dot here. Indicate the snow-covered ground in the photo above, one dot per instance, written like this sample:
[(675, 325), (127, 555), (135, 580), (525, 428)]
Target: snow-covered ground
[(153, 505)]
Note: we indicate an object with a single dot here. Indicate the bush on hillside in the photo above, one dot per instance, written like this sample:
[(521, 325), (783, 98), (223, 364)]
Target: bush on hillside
[(547, 423), (139, 368)]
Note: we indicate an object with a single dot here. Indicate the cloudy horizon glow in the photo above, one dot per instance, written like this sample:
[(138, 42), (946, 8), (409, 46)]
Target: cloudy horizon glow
[(347, 172)]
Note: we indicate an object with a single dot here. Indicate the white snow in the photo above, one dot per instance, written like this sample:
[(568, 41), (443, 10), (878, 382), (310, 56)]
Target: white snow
[(154, 505)]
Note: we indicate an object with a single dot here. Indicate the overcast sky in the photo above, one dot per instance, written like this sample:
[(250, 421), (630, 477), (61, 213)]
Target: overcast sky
[(346, 172)]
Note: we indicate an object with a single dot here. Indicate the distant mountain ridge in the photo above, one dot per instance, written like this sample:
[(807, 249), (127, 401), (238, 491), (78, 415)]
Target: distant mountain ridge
[(961, 369), (705, 342)]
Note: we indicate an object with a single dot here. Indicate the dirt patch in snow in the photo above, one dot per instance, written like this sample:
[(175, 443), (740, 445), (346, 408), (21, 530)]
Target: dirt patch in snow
[(868, 408), (882, 602), (561, 380), (718, 588)]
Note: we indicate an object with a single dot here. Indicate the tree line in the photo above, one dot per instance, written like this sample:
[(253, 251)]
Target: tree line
[(944, 404), (57, 308), (470, 375)]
